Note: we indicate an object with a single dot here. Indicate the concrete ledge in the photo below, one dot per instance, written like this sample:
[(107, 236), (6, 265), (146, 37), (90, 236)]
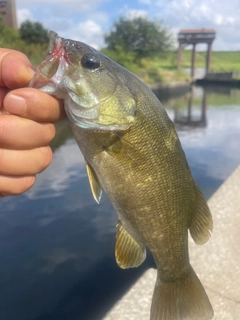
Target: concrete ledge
[(164, 91), (217, 263), (222, 76), (235, 83)]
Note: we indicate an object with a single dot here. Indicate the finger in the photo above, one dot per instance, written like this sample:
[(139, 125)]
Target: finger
[(15, 69), (3, 92), (34, 104), (19, 133), (24, 162), (14, 185)]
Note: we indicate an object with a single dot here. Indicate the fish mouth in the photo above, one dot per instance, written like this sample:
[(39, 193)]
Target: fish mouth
[(51, 44), (56, 45), (64, 49), (50, 72)]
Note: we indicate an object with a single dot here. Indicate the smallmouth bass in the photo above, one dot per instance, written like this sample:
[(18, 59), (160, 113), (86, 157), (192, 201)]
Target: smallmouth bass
[(133, 153)]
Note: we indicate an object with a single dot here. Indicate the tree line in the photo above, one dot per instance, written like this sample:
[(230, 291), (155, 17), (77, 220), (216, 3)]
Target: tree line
[(29, 32), (140, 36), (31, 38)]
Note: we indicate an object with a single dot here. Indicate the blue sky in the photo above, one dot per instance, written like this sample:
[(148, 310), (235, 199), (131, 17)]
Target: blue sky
[(88, 20)]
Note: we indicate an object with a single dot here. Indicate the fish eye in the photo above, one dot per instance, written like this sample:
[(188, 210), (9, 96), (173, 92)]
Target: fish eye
[(90, 61)]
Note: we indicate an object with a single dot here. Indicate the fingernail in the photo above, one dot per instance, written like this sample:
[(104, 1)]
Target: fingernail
[(15, 105)]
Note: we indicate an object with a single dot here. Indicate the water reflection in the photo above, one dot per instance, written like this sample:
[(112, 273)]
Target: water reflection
[(182, 121), (57, 244), (208, 123), (66, 168)]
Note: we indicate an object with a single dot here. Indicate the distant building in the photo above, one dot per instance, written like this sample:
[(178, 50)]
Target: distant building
[(8, 12), (193, 37)]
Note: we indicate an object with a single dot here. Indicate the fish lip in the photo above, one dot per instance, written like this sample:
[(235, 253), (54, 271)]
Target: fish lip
[(51, 35), (56, 56), (56, 45)]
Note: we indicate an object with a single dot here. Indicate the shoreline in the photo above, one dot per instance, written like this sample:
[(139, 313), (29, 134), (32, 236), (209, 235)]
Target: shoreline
[(235, 83), (175, 89), (166, 90)]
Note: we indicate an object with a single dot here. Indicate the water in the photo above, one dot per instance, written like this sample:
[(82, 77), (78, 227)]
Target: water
[(57, 245)]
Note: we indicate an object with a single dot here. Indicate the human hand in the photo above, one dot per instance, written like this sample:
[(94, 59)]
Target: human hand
[(26, 127)]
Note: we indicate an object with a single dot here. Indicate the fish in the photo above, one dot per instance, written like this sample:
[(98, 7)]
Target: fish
[(133, 154)]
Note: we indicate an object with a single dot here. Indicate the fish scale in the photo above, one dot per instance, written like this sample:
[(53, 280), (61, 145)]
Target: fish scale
[(134, 155)]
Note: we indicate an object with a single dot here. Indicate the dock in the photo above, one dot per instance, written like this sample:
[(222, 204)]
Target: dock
[(217, 263)]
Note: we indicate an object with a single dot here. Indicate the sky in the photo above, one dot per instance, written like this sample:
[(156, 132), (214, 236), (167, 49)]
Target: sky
[(89, 20)]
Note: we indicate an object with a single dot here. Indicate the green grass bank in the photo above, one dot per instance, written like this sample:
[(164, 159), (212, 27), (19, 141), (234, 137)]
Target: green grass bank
[(163, 68)]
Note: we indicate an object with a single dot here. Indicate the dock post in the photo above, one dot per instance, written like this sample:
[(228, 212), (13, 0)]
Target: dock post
[(179, 57), (208, 57), (193, 60)]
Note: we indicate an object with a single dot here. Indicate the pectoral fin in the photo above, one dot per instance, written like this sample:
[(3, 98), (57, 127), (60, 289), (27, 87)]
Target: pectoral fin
[(128, 252), (201, 225), (94, 183)]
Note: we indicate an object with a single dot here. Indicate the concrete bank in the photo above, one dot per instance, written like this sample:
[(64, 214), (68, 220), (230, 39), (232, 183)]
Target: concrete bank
[(217, 263), (231, 79), (165, 91), (234, 83)]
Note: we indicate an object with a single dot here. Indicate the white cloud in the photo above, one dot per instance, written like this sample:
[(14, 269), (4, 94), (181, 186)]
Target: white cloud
[(90, 32), (218, 19), (132, 14), (69, 162), (23, 15), (204, 9), (87, 31)]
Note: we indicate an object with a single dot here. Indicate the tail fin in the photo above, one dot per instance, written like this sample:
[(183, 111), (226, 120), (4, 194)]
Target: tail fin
[(184, 299)]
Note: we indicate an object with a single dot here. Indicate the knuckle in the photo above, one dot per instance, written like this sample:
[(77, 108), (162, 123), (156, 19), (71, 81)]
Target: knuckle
[(3, 129), (2, 159), (24, 184), (46, 158), (14, 186), (50, 133)]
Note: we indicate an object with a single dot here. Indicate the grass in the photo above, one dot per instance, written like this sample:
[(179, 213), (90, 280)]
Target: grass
[(159, 69), (222, 61), (163, 68), (166, 65)]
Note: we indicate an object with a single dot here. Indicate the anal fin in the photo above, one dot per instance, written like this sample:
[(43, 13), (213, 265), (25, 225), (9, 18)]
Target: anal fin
[(201, 225), (94, 183), (128, 252)]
